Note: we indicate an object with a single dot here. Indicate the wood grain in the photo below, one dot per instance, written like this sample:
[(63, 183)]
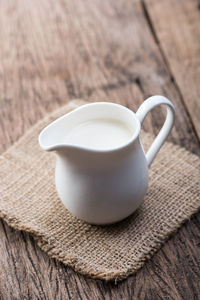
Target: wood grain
[(178, 33), (54, 51)]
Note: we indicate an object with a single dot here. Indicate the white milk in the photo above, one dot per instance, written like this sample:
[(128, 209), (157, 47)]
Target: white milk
[(99, 134)]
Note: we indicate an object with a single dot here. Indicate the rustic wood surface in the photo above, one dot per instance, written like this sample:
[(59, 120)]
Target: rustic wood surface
[(122, 51)]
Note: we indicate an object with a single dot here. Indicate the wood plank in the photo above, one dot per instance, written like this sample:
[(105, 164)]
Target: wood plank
[(178, 32), (51, 52)]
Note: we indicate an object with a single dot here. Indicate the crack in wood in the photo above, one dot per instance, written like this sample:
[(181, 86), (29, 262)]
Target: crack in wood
[(198, 4), (149, 22), (139, 84)]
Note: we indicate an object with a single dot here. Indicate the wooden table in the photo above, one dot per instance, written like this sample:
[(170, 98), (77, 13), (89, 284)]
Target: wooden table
[(123, 51)]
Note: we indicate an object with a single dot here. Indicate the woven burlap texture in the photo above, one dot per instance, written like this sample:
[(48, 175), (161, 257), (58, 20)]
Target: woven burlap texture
[(29, 202)]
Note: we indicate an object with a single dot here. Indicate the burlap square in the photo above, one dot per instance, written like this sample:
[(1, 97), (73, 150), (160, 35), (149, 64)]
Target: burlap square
[(28, 201)]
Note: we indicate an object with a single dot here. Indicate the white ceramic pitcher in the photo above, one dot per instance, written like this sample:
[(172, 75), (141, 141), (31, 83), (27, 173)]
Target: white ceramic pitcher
[(98, 184)]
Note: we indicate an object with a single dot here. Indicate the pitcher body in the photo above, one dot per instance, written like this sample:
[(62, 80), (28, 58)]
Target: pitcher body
[(106, 191)]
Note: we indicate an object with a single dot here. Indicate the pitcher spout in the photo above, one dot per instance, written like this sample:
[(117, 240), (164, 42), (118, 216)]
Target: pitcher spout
[(53, 136), (49, 141)]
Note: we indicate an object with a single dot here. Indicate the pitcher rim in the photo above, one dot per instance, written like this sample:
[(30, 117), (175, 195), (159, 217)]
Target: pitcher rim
[(85, 148)]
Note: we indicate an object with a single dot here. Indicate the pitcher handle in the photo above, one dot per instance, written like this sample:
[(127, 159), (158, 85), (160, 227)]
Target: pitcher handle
[(145, 107)]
